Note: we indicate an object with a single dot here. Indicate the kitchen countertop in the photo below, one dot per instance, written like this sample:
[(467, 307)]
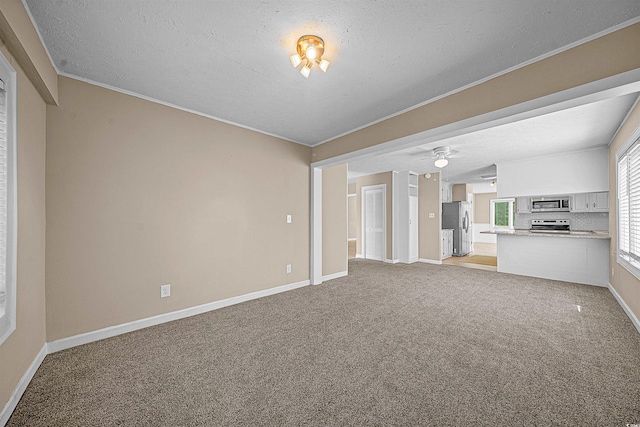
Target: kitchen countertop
[(578, 234)]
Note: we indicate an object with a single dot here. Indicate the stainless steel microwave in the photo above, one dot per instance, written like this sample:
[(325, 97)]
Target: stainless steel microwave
[(550, 204)]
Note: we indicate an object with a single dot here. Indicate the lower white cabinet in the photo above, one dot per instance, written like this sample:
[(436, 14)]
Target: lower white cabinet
[(447, 243)]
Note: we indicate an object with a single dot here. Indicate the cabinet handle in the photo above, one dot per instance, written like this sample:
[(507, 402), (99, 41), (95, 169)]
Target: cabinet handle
[(594, 204)]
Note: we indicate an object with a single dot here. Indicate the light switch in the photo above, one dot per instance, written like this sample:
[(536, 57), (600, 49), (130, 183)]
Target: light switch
[(288, 219), (432, 215)]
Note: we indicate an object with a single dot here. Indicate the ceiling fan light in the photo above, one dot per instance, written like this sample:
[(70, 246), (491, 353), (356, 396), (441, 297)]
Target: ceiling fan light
[(324, 65), (441, 162), (306, 70), (295, 60)]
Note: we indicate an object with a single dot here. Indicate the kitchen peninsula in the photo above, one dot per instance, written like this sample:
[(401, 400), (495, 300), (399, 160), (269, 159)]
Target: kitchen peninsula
[(578, 256)]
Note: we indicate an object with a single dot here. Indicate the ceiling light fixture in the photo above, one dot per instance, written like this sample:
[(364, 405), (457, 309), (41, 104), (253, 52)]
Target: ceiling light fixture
[(441, 162), (493, 182), (310, 48)]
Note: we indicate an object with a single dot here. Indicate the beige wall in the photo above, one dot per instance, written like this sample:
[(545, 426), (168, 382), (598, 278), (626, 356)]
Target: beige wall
[(482, 207), (365, 181), (22, 347), (459, 192), (625, 283), (430, 201), (140, 195), (334, 220), (606, 56)]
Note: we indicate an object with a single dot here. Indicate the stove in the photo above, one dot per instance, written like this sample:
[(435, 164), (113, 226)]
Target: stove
[(550, 226)]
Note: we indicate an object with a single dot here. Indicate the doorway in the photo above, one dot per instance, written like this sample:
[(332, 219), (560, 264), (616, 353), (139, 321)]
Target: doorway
[(374, 222)]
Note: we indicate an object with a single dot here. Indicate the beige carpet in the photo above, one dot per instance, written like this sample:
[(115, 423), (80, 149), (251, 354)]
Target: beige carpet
[(388, 345), (481, 259)]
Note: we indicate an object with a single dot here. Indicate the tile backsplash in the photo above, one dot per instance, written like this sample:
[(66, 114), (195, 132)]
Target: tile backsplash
[(579, 221)]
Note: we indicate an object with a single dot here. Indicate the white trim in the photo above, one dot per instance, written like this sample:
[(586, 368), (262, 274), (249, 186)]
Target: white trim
[(430, 261), (493, 76), (135, 325), (609, 87), (177, 107), (9, 320), (360, 256), (335, 275), (352, 195), (392, 261), (22, 385), (315, 273), (352, 239), (625, 307)]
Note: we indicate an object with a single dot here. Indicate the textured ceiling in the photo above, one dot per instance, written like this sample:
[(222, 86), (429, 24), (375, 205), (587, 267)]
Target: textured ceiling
[(229, 59)]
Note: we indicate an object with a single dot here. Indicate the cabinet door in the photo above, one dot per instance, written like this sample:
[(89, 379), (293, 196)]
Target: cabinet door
[(580, 202), (523, 205), (599, 202)]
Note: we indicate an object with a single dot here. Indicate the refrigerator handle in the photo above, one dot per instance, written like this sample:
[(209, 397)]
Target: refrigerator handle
[(465, 221)]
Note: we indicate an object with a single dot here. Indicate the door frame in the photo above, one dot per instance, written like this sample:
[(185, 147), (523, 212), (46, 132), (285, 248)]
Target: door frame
[(363, 191)]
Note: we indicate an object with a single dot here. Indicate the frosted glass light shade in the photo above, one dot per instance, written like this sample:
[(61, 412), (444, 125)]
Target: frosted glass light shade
[(295, 60), (311, 53), (324, 65), (306, 70), (440, 163)]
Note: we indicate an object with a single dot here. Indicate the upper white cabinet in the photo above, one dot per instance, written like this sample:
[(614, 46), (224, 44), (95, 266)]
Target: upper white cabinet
[(523, 205), (591, 202)]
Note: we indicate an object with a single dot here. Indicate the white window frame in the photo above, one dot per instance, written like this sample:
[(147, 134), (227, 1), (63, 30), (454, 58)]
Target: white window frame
[(8, 268), (511, 225), (630, 264)]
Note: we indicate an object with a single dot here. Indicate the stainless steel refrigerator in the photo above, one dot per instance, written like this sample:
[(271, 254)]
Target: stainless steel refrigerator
[(456, 216)]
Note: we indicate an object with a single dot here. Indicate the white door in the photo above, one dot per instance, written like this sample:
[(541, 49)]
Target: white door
[(413, 228), (374, 224)]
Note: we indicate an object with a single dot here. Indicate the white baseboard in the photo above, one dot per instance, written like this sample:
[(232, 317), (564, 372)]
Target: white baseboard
[(392, 261), (625, 307), (334, 275), (430, 261), (123, 328), (359, 256), (22, 386)]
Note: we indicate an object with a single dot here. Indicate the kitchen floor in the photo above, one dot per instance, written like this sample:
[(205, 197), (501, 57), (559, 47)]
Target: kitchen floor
[(485, 249)]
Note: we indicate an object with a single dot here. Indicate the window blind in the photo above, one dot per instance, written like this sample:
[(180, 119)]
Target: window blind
[(3, 200), (629, 205)]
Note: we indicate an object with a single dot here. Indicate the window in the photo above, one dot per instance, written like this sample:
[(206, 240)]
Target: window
[(629, 207), (503, 214), (8, 207)]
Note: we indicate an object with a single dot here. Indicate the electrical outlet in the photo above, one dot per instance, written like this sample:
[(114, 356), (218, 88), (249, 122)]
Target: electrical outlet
[(432, 215), (165, 291), (288, 219), (288, 268)]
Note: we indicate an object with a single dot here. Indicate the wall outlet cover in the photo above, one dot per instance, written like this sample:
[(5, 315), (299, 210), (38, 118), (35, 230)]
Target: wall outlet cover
[(288, 268), (165, 291), (432, 215)]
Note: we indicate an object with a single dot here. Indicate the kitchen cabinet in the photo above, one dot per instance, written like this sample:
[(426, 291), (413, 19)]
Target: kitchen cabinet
[(447, 243), (523, 205), (591, 202)]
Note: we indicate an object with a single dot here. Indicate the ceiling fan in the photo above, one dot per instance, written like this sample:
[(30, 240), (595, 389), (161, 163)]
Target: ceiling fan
[(442, 156)]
